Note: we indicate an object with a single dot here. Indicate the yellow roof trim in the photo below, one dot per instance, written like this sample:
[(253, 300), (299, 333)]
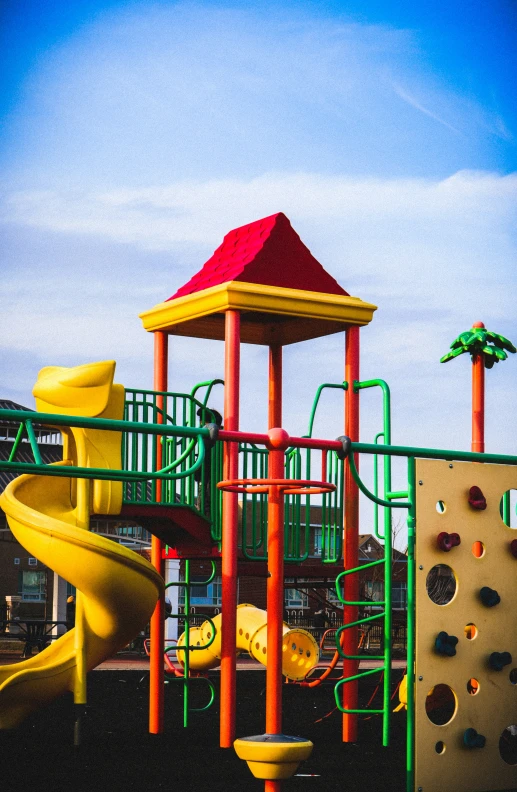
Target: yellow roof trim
[(306, 314)]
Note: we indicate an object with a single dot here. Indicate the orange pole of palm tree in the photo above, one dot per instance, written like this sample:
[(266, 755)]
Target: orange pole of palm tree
[(478, 400), (486, 348)]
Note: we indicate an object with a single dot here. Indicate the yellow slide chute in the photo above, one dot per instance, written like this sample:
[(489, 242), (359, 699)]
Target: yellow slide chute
[(116, 589)]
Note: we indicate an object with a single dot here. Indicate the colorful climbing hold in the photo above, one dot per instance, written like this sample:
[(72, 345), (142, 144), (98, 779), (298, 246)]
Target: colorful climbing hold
[(471, 739), (476, 499), (498, 660), (445, 644), (489, 597), (447, 541)]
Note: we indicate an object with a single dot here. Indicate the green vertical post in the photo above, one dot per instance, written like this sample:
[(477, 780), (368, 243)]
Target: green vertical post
[(186, 665), (411, 624)]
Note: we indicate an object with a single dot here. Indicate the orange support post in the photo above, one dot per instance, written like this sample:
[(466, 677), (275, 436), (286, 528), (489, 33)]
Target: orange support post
[(478, 402), (156, 680), (275, 551), (351, 542), (275, 564), (230, 534), (275, 389)]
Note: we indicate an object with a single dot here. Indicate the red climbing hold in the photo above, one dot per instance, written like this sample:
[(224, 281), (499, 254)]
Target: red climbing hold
[(513, 548), (476, 499), (447, 541)]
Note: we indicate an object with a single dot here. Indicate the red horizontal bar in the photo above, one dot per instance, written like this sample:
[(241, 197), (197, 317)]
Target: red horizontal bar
[(263, 439)]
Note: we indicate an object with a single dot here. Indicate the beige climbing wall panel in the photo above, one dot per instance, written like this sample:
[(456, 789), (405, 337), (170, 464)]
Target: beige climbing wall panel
[(443, 763)]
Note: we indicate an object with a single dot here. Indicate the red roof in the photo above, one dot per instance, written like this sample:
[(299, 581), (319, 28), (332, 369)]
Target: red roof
[(267, 252)]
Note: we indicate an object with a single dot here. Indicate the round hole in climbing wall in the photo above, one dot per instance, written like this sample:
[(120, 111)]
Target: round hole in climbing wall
[(441, 507), (472, 687), (441, 584), (471, 631), (441, 704), (439, 747), (478, 549), (508, 508), (508, 745)]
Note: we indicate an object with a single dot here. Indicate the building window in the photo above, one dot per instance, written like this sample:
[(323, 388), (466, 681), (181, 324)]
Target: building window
[(202, 593), (318, 542), (399, 595), (32, 586), (333, 598), (294, 598), (374, 590)]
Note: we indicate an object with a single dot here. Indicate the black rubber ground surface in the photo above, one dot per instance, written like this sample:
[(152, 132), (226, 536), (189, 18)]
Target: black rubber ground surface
[(118, 753)]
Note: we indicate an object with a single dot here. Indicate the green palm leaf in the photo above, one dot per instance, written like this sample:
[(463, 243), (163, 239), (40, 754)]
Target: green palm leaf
[(480, 341)]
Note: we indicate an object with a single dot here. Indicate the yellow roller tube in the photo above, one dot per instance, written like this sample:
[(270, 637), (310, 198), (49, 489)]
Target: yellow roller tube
[(300, 651)]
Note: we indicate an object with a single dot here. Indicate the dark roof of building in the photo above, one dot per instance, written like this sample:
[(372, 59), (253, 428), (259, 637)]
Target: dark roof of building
[(7, 404), (267, 252), (49, 453)]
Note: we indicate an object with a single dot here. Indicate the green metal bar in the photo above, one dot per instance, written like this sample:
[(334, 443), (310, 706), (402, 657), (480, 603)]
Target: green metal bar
[(376, 488), (34, 443), (432, 453), (411, 628), (397, 494), (209, 384), (340, 386), (183, 455), (17, 441), (359, 621), (352, 679), (212, 694), (104, 423), (363, 487), (186, 654)]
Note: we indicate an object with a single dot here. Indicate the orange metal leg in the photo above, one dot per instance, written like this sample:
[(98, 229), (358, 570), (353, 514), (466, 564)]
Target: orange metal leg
[(229, 538), (275, 605), (156, 680), (351, 543), (275, 581)]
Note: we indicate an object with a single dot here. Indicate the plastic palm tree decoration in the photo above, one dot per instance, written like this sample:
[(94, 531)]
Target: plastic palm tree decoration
[(485, 348)]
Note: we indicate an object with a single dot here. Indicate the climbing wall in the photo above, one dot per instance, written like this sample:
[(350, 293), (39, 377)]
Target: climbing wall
[(466, 640)]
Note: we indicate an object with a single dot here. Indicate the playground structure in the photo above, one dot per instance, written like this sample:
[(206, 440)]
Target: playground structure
[(246, 292)]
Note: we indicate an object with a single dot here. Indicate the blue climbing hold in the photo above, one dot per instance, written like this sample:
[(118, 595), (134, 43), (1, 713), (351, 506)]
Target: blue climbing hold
[(489, 597), (498, 660), (445, 644), (471, 739)]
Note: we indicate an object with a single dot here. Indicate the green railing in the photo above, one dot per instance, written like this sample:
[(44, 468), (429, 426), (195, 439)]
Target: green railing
[(297, 510), (195, 437), (174, 452)]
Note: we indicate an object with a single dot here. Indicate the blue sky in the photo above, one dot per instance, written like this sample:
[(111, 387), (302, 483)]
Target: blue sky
[(135, 135)]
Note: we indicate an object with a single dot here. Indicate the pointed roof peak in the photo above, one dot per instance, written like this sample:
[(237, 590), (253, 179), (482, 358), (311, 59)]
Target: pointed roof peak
[(268, 252)]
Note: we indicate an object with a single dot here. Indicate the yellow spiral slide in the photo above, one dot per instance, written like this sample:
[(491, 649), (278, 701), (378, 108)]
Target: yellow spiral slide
[(116, 589)]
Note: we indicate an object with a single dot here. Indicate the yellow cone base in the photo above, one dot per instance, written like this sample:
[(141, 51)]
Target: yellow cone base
[(273, 757)]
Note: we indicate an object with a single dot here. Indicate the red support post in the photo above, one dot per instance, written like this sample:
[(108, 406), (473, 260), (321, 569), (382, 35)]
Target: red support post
[(230, 534), (351, 539), (156, 681)]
